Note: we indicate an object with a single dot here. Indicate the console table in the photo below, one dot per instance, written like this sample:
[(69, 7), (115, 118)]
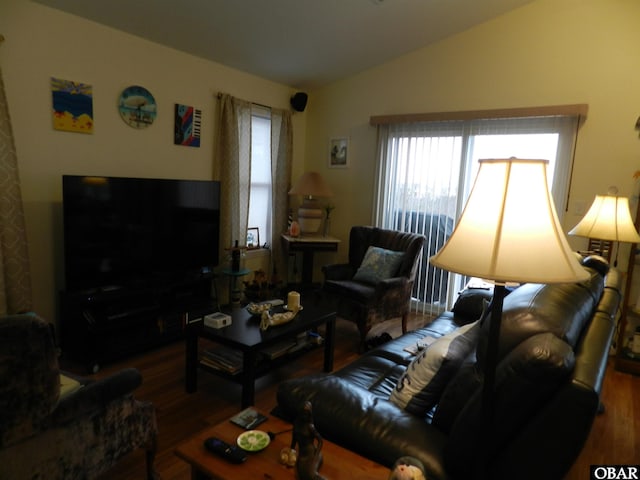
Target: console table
[(103, 325), (308, 245)]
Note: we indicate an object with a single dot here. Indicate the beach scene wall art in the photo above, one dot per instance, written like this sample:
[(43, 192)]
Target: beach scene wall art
[(72, 106)]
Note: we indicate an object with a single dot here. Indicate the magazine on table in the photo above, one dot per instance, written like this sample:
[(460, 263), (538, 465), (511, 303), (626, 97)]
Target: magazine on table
[(249, 418)]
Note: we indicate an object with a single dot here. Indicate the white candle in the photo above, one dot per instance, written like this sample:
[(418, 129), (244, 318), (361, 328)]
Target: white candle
[(293, 301)]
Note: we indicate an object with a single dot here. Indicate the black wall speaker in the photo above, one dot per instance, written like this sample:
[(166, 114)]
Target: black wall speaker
[(299, 101)]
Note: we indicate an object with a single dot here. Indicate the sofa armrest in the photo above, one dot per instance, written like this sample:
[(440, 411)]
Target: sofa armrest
[(472, 303), (390, 283), (338, 271), (526, 379), (95, 394)]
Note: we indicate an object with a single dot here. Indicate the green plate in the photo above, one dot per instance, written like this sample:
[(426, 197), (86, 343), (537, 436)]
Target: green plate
[(253, 440)]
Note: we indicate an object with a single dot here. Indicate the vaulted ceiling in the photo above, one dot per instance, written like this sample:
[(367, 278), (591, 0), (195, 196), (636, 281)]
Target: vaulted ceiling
[(301, 43)]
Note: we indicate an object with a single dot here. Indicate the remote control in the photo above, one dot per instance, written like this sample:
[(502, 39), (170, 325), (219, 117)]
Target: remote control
[(231, 453)]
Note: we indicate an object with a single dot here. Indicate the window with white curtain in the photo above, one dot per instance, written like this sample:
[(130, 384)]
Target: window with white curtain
[(426, 170), (260, 189)]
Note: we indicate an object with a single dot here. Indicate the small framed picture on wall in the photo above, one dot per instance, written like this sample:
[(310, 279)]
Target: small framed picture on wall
[(339, 153)]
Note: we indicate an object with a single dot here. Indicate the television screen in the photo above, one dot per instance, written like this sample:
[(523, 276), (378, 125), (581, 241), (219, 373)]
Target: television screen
[(132, 232)]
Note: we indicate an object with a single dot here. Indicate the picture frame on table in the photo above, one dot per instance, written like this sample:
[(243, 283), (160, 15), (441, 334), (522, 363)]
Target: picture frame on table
[(253, 238), (339, 152)]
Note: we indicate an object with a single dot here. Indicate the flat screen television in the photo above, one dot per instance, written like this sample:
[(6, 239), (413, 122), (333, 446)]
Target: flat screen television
[(137, 232)]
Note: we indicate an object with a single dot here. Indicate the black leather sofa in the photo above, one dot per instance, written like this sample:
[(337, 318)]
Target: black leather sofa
[(554, 344)]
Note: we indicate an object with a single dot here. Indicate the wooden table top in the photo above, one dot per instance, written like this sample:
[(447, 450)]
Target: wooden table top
[(339, 464)]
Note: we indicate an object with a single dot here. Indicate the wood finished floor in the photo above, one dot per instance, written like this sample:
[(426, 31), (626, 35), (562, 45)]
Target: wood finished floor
[(614, 439)]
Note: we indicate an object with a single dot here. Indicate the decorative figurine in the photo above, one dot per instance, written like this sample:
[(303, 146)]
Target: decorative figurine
[(408, 468), (268, 320), (309, 444)]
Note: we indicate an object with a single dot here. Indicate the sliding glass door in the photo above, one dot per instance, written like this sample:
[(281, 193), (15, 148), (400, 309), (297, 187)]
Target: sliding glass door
[(425, 173)]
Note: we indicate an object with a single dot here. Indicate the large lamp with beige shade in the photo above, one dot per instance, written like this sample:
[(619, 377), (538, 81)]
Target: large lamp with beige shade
[(609, 219), (310, 186), (508, 232)]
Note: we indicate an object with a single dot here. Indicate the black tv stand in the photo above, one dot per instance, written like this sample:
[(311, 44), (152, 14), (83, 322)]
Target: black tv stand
[(102, 325)]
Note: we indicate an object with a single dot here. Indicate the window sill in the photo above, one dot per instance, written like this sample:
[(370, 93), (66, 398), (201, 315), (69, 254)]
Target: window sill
[(257, 252)]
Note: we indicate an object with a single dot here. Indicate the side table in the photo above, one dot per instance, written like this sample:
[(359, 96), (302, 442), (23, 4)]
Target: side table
[(235, 294), (308, 245), (339, 463)]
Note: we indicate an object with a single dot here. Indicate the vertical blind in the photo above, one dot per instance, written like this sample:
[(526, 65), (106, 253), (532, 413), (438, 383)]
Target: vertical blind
[(425, 170)]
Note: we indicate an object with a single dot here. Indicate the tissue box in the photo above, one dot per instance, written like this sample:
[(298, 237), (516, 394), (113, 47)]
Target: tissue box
[(217, 320)]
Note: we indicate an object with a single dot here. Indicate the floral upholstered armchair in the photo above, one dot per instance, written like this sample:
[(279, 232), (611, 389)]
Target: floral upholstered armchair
[(376, 284), (57, 426)]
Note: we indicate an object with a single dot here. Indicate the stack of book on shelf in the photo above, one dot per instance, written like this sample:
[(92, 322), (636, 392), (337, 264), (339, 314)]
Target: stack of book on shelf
[(222, 358), (305, 341), (249, 418), (278, 349), (301, 341)]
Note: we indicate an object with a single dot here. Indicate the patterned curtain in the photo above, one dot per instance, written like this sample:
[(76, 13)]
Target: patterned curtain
[(281, 154), (15, 277), (232, 167)]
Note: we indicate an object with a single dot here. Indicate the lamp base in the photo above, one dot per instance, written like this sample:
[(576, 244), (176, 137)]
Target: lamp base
[(310, 216)]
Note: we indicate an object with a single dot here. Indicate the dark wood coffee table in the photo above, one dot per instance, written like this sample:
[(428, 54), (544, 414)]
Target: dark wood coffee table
[(245, 336), (339, 463)]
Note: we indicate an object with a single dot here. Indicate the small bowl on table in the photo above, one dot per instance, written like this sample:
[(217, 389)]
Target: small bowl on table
[(258, 308)]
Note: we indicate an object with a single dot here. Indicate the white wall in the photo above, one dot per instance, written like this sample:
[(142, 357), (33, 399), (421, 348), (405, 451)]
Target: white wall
[(548, 52), (42, 42)]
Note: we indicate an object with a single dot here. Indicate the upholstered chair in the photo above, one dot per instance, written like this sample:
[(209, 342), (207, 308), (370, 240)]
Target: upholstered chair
[(54, 425), (376, 283)]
